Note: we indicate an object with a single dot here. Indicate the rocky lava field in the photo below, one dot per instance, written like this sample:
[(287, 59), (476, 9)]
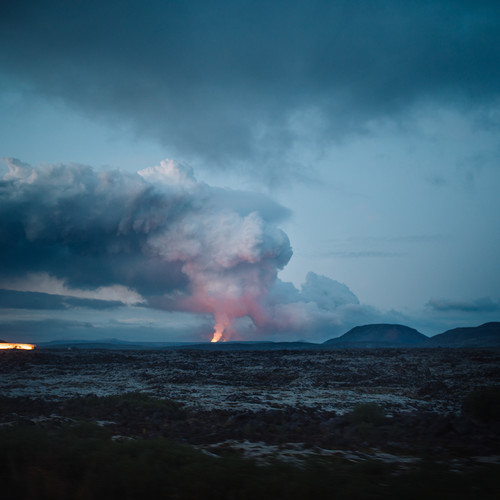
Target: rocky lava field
[(386, 404)]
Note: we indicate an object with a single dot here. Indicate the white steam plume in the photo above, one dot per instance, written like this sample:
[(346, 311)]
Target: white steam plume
[(179, 243)]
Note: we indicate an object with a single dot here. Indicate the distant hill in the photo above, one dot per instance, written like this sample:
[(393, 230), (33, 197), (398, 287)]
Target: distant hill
[(110, 344), (378, 335), (251, 346), (487, 335), (114, 344)]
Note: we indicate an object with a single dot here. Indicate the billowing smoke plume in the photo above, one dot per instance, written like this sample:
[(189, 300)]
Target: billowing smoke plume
[(179, 243), (161, 239)]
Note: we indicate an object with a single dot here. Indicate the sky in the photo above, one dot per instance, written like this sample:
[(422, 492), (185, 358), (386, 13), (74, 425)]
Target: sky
[(278, 170)]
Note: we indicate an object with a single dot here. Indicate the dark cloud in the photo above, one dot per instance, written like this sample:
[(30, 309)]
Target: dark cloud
[(237, 81), (85, 228), (482, 305), (13, 299)]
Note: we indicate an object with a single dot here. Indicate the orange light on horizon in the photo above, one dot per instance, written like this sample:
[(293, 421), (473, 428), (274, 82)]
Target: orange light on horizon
[(216, 337), (12, 345), (218, 334), (222, 328)]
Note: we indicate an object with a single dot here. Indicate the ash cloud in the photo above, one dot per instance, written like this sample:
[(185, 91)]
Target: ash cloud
[(73, 237), (177, 242), (322, 308), (238, 83)]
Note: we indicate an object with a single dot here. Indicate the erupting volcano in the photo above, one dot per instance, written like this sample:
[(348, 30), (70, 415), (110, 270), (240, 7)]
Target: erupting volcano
[(218, 334), (222, 329), (169, 241)]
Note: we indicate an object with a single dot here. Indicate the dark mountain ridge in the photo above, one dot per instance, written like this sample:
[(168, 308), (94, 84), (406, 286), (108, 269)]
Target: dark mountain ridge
[(379, 335), (486, 335), (387, 335)]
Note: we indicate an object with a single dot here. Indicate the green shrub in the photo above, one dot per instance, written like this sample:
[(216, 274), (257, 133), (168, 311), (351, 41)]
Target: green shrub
[(135, 400), (83, 463), (483, 404), (366, 413)]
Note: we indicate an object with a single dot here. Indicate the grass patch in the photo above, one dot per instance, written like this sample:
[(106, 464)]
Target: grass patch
[(366, 413), (82, 462), (135, 399), (130, 401), (483, 404)]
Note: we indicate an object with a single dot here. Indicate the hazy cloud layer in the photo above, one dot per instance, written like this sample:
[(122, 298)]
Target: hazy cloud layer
[(481, 305), (11, 299), (237, 81), (364, 254)]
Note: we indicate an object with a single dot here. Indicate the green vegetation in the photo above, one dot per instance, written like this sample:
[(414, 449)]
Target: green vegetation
[(135, 400), (367, 417), (82, 462), (366, 413), (483, 404)]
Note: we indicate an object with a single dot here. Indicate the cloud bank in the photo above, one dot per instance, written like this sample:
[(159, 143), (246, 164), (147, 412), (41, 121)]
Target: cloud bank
[(159, 238), (241, 83), (176, 243), (75, 237)]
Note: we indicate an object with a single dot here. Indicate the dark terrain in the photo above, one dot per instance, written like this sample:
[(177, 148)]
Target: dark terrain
[(379, 335), (402, 409)]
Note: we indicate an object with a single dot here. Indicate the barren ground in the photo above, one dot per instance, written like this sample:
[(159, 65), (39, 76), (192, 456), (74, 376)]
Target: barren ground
[(267, 403)]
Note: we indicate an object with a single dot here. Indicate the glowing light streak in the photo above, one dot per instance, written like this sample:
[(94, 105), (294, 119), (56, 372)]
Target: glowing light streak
[(24, 347)]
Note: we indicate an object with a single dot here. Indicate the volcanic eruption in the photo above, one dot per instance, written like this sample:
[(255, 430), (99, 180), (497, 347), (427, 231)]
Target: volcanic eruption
[(158, 239), (177, 243)]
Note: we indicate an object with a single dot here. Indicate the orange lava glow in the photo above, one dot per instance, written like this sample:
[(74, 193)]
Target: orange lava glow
[(222, 328), (218, 333), (9, 345)]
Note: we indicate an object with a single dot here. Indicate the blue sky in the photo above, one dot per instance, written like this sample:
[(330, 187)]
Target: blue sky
[(368, 134)]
